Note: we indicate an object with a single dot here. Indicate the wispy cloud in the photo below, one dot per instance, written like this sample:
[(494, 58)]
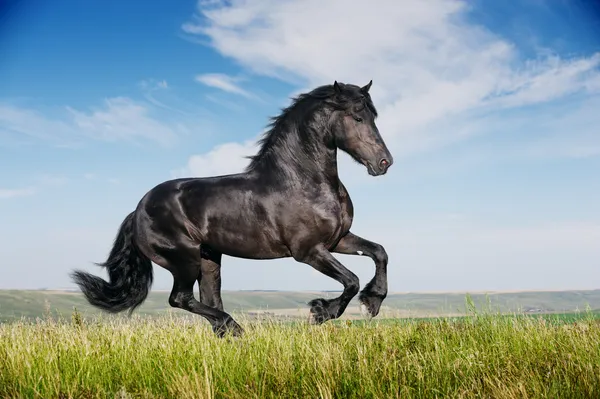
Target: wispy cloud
[(121, 118), (39, 184), (151, 89), (225, 103), (8, 193), (223, 82), (43, 182), (95, 177), (117, 119), (154, 84), (52, 180), (31, 124)]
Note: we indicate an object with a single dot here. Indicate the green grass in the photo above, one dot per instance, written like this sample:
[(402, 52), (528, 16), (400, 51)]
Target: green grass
[(485, 355)]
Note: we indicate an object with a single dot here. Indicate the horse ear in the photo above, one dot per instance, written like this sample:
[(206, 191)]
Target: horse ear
[(336, 87), (365, 89)]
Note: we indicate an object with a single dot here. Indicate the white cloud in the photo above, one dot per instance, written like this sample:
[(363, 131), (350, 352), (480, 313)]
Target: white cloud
[(550, 79), (121, 119), (7, 193), (223, 159), (223, 82), (153, 84), (42, 182), (432, 68), (52, 180), (152, 89), (571, 136), (33, 125), (117, 119)]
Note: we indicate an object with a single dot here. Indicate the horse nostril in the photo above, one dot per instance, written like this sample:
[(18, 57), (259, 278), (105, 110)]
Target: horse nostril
[(383, 164)]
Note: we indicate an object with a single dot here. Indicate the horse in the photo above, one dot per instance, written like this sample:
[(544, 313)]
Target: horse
[(288, 202)]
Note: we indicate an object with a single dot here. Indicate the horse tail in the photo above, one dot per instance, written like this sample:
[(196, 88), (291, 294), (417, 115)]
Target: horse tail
[(129, 271)]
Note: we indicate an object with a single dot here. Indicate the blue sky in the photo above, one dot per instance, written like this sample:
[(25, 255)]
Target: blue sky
[(490, 112)]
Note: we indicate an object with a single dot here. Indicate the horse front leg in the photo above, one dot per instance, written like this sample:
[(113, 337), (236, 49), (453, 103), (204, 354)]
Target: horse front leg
[(322, 260), (376, 290)]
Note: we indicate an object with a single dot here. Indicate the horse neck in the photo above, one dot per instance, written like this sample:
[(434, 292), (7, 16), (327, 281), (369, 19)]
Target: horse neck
[(303, 163), (296, 157), (319, 166)]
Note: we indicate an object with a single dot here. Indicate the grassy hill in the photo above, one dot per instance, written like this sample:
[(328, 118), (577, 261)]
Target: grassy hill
[(15, 304)]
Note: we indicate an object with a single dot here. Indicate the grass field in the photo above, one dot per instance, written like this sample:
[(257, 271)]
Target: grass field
[(475, 356), (47, 350)]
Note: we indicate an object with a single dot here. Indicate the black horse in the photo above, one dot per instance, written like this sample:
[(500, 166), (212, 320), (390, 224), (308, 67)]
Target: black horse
[(289, 202)]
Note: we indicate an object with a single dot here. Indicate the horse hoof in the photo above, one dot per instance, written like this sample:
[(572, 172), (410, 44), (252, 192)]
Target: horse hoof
[(319, 311), (229, 327), (312, 319)]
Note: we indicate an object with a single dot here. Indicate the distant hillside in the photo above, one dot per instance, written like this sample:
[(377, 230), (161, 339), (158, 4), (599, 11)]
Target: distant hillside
[(15, 304)]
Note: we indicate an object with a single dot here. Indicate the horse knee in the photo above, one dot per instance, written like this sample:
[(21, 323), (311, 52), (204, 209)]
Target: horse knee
[(380, 254), (353, 285)]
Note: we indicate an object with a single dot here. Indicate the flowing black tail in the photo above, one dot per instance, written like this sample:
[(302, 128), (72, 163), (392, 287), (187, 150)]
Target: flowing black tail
[(129, 271)]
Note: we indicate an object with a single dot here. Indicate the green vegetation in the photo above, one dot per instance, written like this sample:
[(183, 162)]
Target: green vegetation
[(527, 344), (164, 357)]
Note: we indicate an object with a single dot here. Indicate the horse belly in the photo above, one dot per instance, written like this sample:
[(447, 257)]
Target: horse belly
[(249, 248), (244, 239)]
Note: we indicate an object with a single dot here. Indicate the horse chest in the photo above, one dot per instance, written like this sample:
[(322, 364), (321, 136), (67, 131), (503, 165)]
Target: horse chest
[(319, 216)]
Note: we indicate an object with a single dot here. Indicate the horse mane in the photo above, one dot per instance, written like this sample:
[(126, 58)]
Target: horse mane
[(295, 123)]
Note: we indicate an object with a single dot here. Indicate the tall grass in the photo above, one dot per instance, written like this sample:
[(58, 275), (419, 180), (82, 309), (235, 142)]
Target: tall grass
[(480, 356)]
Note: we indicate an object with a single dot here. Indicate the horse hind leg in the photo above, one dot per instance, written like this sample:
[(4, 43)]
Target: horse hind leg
[(185, 263), (209, 278), (182, 297)]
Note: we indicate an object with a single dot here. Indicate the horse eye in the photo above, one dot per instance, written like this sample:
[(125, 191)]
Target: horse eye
[(358, 119)]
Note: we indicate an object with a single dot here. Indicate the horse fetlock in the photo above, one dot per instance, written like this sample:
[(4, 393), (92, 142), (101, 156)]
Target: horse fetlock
[(371, 298), (370, 303), (353, 288), (377, 287)]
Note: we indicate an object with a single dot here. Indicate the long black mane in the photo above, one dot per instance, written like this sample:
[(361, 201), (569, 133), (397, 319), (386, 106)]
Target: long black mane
[(295, 129)]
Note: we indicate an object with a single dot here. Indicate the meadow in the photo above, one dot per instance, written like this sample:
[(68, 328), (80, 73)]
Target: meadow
[(480, 354)]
